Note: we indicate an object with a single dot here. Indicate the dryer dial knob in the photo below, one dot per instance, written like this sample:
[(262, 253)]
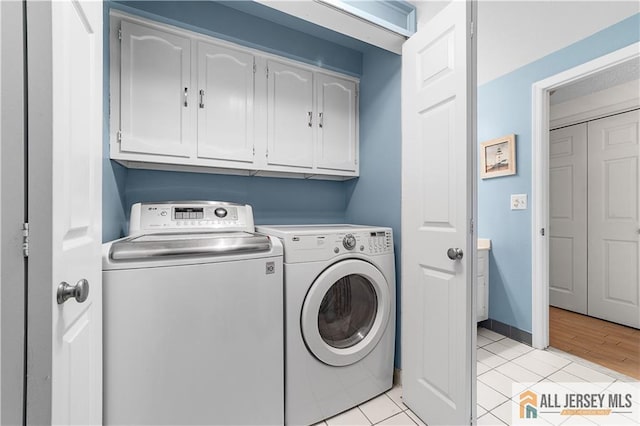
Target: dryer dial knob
[(349, 241)]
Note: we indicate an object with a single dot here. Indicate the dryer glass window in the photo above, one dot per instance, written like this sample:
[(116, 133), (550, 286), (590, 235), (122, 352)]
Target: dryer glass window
[(347, 311)]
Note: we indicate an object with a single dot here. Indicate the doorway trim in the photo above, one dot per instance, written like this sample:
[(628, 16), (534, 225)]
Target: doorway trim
[(540, 181)]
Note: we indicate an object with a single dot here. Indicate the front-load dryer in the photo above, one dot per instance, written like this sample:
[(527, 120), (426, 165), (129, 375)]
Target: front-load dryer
[(339, 317)]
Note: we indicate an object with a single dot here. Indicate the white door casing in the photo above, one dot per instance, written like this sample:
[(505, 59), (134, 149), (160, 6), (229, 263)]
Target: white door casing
[(568, 218), (289, 116), (155, 91), (614, 218), (65, 196), (540, 185), (225, 103), (438, 176)]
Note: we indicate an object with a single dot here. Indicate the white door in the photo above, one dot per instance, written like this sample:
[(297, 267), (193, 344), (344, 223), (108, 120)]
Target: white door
[(614, 219), (438, 177), (225, 103), (290, 116), (336, 123), (568, 218), (155, 85), (65, 198)]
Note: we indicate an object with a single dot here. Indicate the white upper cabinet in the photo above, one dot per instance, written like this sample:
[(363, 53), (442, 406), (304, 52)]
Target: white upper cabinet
[(154, 91), (337, 123), (290, 116), (189, 102), (225, 103)]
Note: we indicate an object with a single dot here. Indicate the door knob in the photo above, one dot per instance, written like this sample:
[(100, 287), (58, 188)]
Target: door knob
[(80, 291), (455, 253)]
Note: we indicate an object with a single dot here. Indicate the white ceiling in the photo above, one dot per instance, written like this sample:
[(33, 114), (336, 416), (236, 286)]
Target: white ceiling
[(513, 33), (614, 76)]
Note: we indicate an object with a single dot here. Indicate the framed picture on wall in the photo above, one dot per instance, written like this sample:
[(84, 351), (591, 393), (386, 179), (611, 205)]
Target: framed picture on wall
[(498, 157)]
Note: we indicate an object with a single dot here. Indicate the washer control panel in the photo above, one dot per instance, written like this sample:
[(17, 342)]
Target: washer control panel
[(183, 216)]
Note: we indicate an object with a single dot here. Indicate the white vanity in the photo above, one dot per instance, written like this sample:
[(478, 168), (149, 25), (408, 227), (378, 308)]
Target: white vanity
[(484, 245)]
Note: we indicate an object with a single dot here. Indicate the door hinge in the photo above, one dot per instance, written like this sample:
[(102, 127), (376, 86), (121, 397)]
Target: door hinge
[(119, 135), (542, 231), (471, 226), (254, 151), (255, 68), (119, 33), (25, 239), (267, 70), (472, 29)]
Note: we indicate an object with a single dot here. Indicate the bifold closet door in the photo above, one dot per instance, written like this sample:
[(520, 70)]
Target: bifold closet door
[(568, 218), (613, 217)]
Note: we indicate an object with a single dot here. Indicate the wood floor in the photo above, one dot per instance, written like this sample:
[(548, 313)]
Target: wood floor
[(611, 345)]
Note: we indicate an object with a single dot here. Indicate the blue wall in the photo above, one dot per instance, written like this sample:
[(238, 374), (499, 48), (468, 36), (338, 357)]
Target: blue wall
[(373, 198), (504, 107), (274, 200)]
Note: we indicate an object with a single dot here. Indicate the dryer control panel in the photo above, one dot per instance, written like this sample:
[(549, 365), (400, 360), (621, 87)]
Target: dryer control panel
[(215, 216), (324, 242), (366, 242)]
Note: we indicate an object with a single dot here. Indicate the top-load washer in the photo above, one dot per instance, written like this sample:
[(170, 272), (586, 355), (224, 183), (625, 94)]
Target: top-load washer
[(193, 318), (339, 317)]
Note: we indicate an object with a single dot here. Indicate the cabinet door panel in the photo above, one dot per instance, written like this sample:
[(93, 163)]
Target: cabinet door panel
[(225, 113), (289, 111), (336, 108), (155, 76)]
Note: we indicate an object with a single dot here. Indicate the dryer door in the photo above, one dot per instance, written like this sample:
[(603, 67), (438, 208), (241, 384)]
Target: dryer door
[(345, 312)]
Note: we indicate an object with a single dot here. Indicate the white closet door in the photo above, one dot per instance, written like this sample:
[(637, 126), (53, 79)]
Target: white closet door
[(568, 218), (614, 223), (225, 104), (290, 116), (155, 84)]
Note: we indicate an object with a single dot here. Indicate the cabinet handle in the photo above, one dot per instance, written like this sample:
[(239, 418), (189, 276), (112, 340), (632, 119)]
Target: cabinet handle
[(186, 95), (310, 118), (201, 98), (321, 120)]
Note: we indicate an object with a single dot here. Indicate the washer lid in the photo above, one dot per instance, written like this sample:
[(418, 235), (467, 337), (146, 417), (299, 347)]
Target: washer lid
[(154, 246)]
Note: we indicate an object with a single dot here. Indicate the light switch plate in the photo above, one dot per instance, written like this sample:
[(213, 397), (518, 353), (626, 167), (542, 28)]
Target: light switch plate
[(518, 201)]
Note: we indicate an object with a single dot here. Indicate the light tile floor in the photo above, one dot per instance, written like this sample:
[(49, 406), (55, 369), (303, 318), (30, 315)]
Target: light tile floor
[(501, 361)]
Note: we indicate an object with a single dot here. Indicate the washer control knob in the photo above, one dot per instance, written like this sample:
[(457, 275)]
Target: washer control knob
[(336, 250), (220, 212), (349, 241)]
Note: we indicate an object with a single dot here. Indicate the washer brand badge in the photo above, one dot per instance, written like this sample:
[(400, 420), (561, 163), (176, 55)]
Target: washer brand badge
[(270, 268)]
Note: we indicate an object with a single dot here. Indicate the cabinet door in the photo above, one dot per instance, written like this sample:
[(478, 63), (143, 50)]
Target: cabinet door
[(290, 116), (336, 106), (155, 82), (225, 104)]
